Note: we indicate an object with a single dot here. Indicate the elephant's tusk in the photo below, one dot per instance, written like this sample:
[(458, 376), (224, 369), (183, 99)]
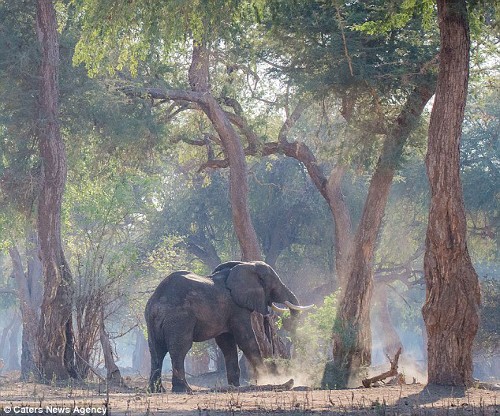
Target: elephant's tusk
[(276, 308), (298, 307)]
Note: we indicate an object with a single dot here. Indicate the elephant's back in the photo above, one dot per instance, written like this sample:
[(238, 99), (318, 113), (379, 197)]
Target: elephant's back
[(178, 286)]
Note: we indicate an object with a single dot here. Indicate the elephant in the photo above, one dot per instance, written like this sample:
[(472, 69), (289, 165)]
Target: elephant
[(187, 308)]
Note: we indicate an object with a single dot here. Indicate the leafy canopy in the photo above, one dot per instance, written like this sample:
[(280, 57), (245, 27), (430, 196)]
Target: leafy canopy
[(118, 34)]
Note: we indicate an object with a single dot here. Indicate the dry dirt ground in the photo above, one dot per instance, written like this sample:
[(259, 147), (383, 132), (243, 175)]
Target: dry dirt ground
[(415, 399)]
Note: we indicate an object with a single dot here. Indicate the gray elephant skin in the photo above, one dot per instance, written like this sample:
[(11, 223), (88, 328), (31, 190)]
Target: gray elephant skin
[(187, 308)]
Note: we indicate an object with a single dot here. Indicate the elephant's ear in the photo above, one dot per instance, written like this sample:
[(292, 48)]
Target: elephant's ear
[(246, 289)]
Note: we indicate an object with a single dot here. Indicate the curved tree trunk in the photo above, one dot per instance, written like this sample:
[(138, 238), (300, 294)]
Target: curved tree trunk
[(238, 182), (201, 95), (352, 340), (113, 374), (452, 299), (55, 333)]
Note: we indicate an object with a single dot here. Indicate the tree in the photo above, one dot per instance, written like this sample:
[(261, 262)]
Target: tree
[(452, 299), (55, 355), (382, 99), (29, 291), (202, 24)]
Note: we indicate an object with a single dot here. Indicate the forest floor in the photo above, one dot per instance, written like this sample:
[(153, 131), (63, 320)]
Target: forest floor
[(408, 400)]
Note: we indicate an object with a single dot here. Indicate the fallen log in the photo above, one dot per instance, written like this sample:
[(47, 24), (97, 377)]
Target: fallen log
[(254, 387), (393, 372)]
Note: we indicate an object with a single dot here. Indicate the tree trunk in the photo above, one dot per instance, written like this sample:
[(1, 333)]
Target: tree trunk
[(113, 374), (280, 234), (342, 222), (452, 299), (55, 334), (352, 349), (238, 181), (13, 357), (390, 338), (28, 289), (141, 360), (270, 343), (3, 338), (34, 270), (34, 282), (202, 247)]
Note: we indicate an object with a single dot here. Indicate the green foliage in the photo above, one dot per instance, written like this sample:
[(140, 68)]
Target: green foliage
[(290, 217), (136, 207), (194, 217), (117, 35), (398, 15), (167, 256), (19, 166), (480, 170), (403, 232), (361, 78), (321, 52), (313, 340), (488, 338), (7, 301)]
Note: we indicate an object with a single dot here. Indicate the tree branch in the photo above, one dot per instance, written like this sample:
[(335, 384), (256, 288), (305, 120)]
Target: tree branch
[(391, 373), (240, 122), (291, 120)]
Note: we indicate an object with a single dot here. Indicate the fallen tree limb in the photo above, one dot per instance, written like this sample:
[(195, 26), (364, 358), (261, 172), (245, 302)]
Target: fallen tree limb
[(253, 387), (393, 372)]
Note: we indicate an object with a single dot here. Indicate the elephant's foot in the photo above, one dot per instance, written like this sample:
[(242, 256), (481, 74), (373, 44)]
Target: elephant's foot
[(182, 389), (181, 386)]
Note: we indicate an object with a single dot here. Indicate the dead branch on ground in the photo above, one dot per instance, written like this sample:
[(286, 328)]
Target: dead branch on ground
[(264, 387), (393, 372)]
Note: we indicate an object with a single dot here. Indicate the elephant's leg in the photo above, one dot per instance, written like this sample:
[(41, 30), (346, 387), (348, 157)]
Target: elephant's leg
[(245, 339), (158, 353), (178, 350), (227, 344)]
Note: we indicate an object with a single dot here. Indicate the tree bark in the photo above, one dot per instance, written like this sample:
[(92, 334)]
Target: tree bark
[(238, 182), (55, 333), (352, 349), (342, 222), (453, 296), (270, 343)]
